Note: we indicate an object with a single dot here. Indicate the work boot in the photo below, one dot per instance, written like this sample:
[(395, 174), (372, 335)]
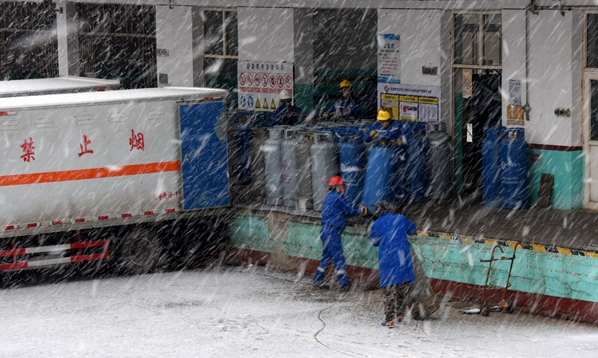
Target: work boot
[(320, 285), (389, 324)]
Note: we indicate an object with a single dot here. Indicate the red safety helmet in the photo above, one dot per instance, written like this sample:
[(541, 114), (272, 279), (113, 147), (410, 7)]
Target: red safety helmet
[(336, 180)]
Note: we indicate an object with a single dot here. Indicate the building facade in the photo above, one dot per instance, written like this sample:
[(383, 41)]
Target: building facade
[(519, 63)]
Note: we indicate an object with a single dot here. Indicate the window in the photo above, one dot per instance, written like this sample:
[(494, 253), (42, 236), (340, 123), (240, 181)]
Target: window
[(592, 41), (221, 50), (478, 39)]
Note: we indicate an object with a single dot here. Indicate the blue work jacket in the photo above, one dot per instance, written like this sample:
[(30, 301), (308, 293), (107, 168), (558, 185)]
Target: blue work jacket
[(389, 233), (288, 115), (396, 130), (336, 210), (348, 108)]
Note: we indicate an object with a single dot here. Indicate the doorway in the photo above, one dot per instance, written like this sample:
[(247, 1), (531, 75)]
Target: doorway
[(590, 130), (482, 108)]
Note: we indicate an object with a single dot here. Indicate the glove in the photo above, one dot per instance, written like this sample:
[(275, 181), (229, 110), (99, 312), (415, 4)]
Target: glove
[(364, 210), (374, 134)]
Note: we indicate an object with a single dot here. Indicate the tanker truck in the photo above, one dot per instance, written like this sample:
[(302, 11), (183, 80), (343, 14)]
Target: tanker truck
[(63, 84), (134, 177)]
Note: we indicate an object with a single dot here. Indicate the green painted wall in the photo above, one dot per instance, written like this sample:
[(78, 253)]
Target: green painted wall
[(304, 97), (457, 260), (567, 168), (552, 274)]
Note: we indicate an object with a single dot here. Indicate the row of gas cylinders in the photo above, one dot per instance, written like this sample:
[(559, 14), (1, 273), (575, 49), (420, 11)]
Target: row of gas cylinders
[(505, 168), (291, 166)]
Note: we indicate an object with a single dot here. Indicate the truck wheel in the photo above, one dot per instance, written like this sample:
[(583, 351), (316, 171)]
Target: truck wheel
[(140, 252)]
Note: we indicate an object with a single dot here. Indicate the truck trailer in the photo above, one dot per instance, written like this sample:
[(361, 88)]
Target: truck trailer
[(64, 84), (129, 175)]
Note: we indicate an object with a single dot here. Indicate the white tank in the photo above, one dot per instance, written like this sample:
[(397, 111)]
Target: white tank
[(272, 164), (324, 164)]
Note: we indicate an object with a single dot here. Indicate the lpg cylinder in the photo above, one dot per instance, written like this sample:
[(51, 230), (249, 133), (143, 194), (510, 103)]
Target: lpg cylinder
[(242, 139), (417, 176), (288, 174), (304, 182), (440, 153), (257, 189), (324, 164), (379, 175), (271, 150), (513, 162), (491, 171), (353, 160)]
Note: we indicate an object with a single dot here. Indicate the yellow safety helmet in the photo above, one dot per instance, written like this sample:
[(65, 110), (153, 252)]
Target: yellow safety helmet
[(383, 115), (345, 83)]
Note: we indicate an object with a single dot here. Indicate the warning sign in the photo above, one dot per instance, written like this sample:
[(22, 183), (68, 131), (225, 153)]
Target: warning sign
[(391, 101), (265, 79), (411, 102)]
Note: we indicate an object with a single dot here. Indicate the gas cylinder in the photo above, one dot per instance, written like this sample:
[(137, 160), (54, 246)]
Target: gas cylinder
[(440, 154), (296, 169), (513, 162), (288, 174), (257, 189), (272, 164), (304, 181), (417, 174), (491, 171), (324, 164), (242, 138), (353, 160), (379, 175)]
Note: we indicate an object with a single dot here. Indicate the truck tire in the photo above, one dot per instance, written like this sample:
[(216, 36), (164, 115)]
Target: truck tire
[(140, 252)]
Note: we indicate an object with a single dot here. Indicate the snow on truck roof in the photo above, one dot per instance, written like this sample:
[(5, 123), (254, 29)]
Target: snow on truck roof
[(92, 98), (58, 84)]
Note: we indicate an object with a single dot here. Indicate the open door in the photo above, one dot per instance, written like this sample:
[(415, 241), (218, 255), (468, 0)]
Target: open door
[(482, 109), (204, 164), (590, 134)]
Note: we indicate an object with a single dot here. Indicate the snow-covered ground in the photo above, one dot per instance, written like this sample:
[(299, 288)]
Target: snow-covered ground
[(255, 312)]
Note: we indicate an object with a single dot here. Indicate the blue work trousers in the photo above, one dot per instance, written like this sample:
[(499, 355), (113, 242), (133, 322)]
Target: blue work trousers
[(332, 252)]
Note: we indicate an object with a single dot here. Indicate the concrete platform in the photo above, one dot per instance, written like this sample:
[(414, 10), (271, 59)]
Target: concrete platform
[(572, 229)]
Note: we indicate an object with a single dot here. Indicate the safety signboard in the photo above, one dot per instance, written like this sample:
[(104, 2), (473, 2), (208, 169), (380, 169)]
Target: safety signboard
[(410, 102), (389, 58), (261, 82)]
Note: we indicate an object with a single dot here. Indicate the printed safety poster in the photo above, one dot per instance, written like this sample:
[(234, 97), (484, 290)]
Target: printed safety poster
[(410, 102), (261, 82)]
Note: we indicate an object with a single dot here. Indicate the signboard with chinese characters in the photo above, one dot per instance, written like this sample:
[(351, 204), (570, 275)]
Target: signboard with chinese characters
[(261, 82), (515, 112), (389, 58), (410, 102)]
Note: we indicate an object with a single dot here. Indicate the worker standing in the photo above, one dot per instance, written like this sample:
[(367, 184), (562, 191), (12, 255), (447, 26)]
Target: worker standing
[(335, 212), (346, 106), (391, 133), (286, 113), (389, 232)]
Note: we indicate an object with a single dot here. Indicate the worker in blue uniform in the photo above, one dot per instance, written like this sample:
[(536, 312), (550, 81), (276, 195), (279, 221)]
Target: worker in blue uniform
[(335, 212), (389, 232), (388, 130), (395, 134), (345, 107), (286, 113)]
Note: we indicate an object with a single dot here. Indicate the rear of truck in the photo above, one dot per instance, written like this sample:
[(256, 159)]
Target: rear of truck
[(139, 176)]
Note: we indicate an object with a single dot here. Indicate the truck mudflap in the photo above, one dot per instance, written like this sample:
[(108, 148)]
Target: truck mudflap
[(79, 251)]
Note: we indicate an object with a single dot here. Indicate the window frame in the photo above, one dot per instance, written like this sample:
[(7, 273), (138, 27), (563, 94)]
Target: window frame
[(479, 41), (224, 33)]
